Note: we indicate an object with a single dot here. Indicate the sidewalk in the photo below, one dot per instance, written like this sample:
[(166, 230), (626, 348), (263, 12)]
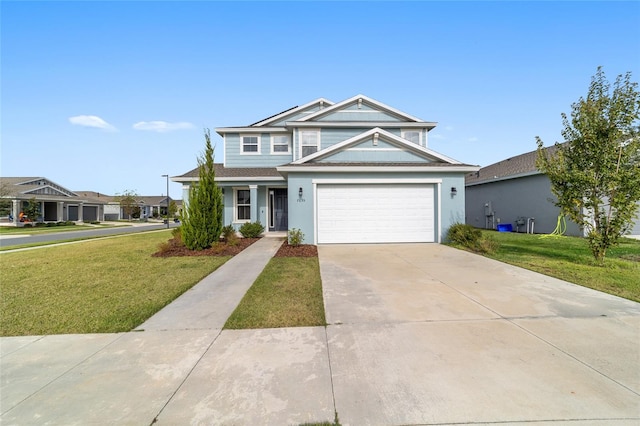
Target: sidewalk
[(131, 378)]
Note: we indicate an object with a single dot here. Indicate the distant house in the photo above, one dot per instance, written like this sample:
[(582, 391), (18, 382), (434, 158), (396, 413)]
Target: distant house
[(514, 191), (57, 203), (356, 171)]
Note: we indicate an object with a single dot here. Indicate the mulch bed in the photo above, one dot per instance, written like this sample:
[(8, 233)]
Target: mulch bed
[(303, 250), (220, 249), (173, 248)]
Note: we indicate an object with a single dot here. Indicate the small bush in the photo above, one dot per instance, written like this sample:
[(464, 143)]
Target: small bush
[(465, 235), (62, 223), (95, 222), (51, 224), (40, 225), (251, 229), (229, 234), (69, 223), (469, 237), (177, 236), (296, 237)]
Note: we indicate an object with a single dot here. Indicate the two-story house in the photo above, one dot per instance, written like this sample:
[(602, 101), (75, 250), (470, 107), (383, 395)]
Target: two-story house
[(356, 171)]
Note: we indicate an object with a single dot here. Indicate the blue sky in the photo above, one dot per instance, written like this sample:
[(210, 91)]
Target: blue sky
[(108, 96)]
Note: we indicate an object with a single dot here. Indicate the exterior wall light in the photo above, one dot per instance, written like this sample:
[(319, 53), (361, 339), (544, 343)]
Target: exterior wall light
[(300, 192), (454, 191)]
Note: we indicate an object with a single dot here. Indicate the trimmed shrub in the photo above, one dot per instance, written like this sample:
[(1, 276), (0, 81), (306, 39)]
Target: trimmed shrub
[(296, 237), (465, 235), (471, 238), (251, 229)]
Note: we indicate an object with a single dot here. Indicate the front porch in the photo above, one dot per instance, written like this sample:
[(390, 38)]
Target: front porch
[(267, 204)]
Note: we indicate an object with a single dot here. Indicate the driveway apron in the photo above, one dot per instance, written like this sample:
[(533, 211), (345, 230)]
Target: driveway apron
[(427, 334)]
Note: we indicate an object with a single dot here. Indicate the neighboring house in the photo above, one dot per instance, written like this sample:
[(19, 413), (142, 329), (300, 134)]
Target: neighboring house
[(357, 171), (150, 206), (514, 191), (153, 206), (56, 202)]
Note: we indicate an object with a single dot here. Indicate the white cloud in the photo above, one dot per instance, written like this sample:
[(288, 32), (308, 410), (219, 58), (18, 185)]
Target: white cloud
[(161, 126), (473, 139), (436, 136), (91, 121), (448, 128)]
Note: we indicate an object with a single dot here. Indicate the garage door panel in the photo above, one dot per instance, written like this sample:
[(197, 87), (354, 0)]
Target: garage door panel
[(378, 213)]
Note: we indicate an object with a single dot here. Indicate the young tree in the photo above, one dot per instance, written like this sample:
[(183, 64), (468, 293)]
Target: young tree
[(129, 203), (173, 208), (595, 175), (32, 211), (202, 221)]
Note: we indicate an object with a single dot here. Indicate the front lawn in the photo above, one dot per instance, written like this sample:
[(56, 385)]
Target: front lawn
[(569, 259), (98, 286), (288, 293)]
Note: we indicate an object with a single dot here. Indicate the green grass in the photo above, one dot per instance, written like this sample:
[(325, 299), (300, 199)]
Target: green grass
[(31, 230), (569, 259), (288, 293), (98, 286)]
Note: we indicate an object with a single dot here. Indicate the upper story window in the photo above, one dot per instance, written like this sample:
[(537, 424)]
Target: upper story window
[(280, 144), (309, 142), (250, 144), (414, 136)]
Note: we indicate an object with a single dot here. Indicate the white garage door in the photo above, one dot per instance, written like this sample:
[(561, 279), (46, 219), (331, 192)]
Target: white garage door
[(376, 213)]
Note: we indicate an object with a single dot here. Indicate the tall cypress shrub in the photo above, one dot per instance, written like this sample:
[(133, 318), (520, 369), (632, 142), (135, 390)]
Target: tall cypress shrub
[(202, 220)]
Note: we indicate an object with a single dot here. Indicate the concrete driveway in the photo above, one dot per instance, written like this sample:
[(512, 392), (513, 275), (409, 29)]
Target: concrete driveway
[(418, 334), (426, 334)]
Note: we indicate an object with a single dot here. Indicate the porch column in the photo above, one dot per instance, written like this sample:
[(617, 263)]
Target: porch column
[(15, 209), (253, 194), (60, 212), (80, 208), (42, 210)]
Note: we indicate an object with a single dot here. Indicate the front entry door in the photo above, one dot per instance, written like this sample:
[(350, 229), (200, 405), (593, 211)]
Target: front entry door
[(278, 210)]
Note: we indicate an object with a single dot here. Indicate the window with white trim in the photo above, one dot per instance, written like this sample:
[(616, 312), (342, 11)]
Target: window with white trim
[(250, 144), (280, 144), (242, 201), (309, 142), (414, 136)]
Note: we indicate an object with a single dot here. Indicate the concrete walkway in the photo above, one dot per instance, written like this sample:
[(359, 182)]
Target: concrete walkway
[(418, 334)]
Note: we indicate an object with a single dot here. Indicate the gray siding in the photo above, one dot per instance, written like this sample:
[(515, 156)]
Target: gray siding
[(636, 228), (527, 197)]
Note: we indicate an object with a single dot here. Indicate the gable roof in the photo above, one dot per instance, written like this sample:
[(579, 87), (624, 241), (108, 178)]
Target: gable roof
[(510, 168), (34, 185), (385, 135), (291, 111), (364, 99)]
